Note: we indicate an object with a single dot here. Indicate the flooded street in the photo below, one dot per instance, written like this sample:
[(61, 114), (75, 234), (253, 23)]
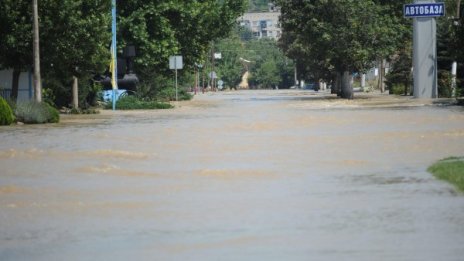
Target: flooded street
[(248, 175)]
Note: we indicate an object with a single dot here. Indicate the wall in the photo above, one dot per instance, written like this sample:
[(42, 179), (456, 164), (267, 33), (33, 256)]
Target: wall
[(26, 90)]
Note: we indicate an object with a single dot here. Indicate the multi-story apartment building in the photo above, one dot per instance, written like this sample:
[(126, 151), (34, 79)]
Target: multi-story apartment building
[(263, 24)]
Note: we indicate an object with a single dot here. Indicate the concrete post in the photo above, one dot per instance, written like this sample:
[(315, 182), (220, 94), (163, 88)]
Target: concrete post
[(75, 102), (454, 70), (425, 56)]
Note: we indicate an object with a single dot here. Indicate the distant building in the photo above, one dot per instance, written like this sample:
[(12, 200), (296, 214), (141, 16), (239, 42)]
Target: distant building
[(263, 24)]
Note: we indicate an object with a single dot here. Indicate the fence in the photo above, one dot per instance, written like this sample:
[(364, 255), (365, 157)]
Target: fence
[(5, 93)]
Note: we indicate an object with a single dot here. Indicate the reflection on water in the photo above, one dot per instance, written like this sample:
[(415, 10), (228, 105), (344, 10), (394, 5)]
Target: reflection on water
[(268, 175)]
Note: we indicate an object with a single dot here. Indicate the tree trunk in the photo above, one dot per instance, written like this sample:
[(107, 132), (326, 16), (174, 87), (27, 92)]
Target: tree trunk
[(346, 87), (75, 94), (336, 84), (15, 84), (382, 76), (363, 82), (406, 88)]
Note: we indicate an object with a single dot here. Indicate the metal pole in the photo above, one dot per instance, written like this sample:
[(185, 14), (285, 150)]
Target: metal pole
[(36, 51), (114, 59), (176, 81)]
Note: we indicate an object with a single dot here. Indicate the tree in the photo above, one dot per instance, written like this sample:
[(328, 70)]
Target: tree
[(160, 29), (230, 68), (16, 38), (341, 37), (270, 67), (74, 39)]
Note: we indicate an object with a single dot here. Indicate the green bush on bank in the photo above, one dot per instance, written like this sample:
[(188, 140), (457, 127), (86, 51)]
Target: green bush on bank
[(32, 112), (6, 114), (450, 170), (133, 103)]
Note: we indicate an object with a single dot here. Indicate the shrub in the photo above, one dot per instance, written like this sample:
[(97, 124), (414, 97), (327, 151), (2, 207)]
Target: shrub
[(169, 94), (6, 114), (397, 89), (32, 112), (445, 88), (54, 114), (133, 103)]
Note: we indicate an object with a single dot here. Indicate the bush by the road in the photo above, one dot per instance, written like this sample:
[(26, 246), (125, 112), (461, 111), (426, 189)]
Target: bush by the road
[(6, 114), (169, 94), (450, 170), (132, 103), (32, 112)]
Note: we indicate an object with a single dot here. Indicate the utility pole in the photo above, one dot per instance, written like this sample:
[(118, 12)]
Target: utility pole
[(296, 77), (458, 10), (212, 67), (36, 53), (454, 65)]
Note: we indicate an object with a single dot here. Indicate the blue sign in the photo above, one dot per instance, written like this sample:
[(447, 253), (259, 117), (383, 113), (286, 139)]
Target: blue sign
[(424, 10)]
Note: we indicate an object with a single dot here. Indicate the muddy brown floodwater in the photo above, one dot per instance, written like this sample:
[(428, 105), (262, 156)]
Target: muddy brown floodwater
[(250, 175)]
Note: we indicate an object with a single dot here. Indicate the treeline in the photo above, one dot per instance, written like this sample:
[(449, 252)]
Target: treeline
[(75, 38)]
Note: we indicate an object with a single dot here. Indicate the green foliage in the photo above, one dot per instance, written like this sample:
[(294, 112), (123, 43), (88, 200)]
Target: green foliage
[(74, 39), (258, 5), (32, 112), (400, 75), (133, 103), (160, 29), (16, 36), (169, 94), (230, 69), (327, 37), (266, 75), (450, 170), (161, 88), (397, 89), (6, 114), (445, 88), (269, 66)]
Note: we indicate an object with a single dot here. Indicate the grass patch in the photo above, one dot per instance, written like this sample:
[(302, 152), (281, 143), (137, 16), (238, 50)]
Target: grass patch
[(132, 103), (451, 170)]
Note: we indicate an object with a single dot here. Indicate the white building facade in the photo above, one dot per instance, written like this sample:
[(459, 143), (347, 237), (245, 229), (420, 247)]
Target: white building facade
[(262, 24)]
